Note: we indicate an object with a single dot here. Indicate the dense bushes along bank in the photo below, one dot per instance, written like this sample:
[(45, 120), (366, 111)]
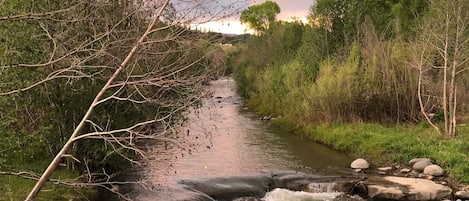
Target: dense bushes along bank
[(375, 80)]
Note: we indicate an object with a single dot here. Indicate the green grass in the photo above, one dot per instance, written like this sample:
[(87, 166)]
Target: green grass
[(395, 145), (13, 188), (398, 144)]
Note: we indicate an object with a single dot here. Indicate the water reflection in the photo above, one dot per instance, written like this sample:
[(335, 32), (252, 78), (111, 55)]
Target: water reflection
[(221, 139)]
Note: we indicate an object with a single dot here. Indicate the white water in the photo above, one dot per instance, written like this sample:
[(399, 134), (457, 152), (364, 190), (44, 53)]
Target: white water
[(279, 194)]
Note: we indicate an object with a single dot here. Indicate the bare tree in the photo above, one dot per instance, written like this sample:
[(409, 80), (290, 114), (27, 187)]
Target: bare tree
[(445, 35), (146, 59)]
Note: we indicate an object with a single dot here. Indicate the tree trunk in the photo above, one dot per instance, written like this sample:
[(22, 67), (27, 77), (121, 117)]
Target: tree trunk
[(52, 166)]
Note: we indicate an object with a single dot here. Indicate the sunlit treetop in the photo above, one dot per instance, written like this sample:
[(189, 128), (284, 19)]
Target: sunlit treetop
[(259, 17)]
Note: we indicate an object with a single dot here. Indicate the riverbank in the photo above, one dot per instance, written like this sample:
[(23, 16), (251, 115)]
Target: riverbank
[(395, 145), (14, 187)]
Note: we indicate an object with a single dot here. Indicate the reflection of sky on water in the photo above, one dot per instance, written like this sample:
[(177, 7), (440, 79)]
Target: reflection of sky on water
[(219, 140)]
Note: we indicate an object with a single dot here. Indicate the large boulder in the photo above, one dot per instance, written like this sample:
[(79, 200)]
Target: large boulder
[(401, 188), (360, 163), (420, 165), (434, 170)]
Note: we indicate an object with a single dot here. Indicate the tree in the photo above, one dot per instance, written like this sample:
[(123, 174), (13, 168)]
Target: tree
[(259, 17), (343, 18), (444, 55), (109, 74)]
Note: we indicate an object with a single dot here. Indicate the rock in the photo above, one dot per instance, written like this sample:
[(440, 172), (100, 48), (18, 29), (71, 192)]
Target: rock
[(298, 181), (434, 170), (360, 164), (405, 170), (400, 188), (415, 160), (345, 197), (385, 169), (462, 195), (420, 165), (465, 188), (357, 170), (228, 188)]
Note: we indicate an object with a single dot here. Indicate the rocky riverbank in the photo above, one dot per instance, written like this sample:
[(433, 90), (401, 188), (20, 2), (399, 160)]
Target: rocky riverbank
[(421, 180)]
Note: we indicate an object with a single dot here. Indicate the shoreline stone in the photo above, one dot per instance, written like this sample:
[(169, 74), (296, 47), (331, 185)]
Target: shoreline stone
[(434, 170), (360, 163), (415, 160), (401, 188), (420, 165)]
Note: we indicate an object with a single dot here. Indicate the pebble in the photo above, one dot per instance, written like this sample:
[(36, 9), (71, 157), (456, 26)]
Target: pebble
[(405, 170), (357, 170), (385, 169)]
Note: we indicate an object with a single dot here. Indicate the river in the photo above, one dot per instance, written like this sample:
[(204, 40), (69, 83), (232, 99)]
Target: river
[(225, 139)]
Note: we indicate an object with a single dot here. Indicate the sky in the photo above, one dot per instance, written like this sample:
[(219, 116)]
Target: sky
[(289, 9)]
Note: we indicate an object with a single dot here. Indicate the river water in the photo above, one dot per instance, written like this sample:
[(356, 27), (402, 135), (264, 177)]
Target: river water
[(223, 139)]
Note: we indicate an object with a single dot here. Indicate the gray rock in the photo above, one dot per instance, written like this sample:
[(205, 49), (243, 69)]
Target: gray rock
[(420, 165), (415, 160), (462, 195), (434, 170), (399, 188), (360, 163)]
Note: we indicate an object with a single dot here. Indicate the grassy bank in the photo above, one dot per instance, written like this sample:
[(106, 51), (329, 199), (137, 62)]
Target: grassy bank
[(395, 145), (14, 187)]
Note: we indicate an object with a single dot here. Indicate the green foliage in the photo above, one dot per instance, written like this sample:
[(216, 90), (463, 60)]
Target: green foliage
[(81, 46), (397, 144), (357, 62), (259, 17), (343, 18), (16, 188)]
